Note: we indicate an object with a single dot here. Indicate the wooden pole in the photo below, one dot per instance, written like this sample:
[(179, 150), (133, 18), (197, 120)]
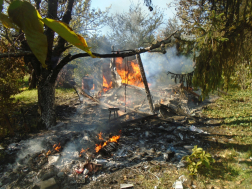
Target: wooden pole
[(147, 90), (112, 67)]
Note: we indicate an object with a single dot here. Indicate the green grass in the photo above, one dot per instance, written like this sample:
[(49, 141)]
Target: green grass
[(233, 167), (27, 101), (27, 97)]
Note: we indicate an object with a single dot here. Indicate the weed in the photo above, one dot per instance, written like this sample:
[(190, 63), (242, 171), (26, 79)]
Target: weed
[(198, 159)]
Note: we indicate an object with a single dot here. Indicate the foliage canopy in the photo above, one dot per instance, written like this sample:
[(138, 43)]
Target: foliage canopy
[(222, 36)]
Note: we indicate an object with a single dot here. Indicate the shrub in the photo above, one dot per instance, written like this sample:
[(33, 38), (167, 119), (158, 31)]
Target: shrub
[(198, 159), (11, 74)]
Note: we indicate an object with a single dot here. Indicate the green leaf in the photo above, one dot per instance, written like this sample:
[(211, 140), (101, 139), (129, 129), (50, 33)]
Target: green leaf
[(199, 163), (7, 22), (68, 34), (27, 18)]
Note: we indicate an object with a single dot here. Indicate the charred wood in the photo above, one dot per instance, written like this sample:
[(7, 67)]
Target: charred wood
[(147, 90)]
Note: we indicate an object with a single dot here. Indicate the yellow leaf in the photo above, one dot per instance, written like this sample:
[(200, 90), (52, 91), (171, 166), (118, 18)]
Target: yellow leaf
[(27, 18), (7, 22), (68, 34)]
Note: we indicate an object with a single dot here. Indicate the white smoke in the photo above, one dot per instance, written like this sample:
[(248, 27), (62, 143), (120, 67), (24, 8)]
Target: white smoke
[(157, 65)]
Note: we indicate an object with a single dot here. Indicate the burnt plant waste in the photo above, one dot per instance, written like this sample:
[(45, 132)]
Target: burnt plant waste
[(164, 137)]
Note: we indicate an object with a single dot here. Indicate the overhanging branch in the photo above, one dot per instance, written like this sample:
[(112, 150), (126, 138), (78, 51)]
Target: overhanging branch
[(15, 54), (70, 57)]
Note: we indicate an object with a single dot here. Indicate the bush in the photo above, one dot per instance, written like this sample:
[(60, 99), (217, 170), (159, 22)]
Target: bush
[(198, 159), (11, 74)]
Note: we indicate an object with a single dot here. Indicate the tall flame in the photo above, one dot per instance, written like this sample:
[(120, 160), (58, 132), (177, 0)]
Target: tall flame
[(132, 76), (100, 136), (106, 86)]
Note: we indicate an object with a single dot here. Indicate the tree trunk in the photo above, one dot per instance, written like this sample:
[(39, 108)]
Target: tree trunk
[(32, 80), (46, 104)]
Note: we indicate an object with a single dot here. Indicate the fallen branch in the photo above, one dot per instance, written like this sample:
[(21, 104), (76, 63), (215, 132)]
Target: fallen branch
[(88, 96)]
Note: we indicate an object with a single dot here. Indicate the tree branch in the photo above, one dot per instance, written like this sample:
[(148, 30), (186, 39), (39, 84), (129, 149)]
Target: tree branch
[(52, 13), (59, 48), (15, 54), (70, 57)]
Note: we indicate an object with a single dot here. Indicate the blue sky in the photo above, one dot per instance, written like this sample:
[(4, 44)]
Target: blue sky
[(118, 6)]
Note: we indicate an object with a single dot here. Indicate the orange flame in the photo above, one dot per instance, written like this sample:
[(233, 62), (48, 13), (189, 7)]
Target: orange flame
[(93, 87), (105, 85), (98, 147), (82, 151), (100, 136), (48, 153), (132, 76), (112, 139), (57, 147)]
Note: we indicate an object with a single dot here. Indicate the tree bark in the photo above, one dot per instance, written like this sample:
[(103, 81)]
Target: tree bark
[(32, 80), (46, 104), (147, 90)]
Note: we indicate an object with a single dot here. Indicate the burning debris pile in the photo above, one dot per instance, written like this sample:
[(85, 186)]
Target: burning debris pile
[(70, 159), (90, 146)]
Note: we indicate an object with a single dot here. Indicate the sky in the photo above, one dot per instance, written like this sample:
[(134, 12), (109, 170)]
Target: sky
[(118, 6)]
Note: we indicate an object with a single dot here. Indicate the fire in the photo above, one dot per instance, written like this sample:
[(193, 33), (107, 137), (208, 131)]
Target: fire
[(100, 136), (132, 76), (98, 147), (112, 139), (105, 85), (82, 151), (93, 87), (57, 147), (48, 153)]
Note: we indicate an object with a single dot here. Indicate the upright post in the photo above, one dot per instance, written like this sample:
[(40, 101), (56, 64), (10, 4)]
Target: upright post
[(113, 70), (147, 90)]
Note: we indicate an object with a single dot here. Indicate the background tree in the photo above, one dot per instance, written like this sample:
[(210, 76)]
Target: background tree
[(84, 20), (47, 49), (135, 28), (221, 32), (85, 66)]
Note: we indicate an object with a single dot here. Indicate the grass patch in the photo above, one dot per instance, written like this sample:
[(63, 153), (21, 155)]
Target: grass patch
[(27, 97), (26, 102), (233, 166)]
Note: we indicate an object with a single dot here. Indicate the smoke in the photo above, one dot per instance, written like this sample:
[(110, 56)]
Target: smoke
[(157, 65), (30, 147)]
